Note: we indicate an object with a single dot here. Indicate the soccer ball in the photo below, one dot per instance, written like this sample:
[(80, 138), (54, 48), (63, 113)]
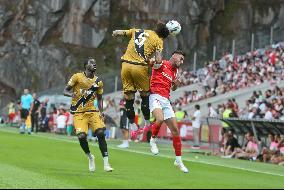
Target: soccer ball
[(173, 27)]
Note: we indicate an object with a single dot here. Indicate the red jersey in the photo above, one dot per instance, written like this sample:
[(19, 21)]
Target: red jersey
[(162, 79)]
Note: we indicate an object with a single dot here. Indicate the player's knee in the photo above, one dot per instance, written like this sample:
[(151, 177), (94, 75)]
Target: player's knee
[(100, 133), (159, 121), (175, 131), (145, 107), (129, 106), (145, 102), (82, 136)]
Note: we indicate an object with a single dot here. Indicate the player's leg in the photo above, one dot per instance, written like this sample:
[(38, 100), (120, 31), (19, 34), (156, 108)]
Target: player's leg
[(24, 115), (145, 106), (124, 126), (98, 126), (141, 80), (170, 120), (158, 114), (129, 106), (129, 90), (157, 111), (81, 126), (103, 148), (173, 126)]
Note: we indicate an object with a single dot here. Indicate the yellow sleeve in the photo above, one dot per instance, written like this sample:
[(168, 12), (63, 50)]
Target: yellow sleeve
[(73, 81), (129, 32), (159, 45), (101, 88)]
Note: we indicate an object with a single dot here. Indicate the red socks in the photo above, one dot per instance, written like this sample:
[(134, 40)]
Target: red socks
[(176, 139), (155, 129), (177, 145)]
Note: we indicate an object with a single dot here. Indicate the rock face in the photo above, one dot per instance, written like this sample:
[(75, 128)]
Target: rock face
[(43, 41)]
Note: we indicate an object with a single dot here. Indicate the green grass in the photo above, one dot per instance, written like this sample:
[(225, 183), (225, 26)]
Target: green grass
[(51, 161)]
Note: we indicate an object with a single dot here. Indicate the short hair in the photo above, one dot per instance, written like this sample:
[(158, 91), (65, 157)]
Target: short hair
[(162, 31), (180, 52), (197, 107), (87, 61)]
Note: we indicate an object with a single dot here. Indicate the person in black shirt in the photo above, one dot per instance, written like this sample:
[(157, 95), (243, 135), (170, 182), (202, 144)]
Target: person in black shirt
[(35, 113), (43, 116), (232, 143)]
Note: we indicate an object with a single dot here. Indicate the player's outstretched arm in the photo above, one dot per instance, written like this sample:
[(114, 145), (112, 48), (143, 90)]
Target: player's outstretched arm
[(119, 33), (68, 91)]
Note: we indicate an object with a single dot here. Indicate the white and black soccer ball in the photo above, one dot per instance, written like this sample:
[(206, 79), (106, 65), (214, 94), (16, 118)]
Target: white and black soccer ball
[(174, 27)]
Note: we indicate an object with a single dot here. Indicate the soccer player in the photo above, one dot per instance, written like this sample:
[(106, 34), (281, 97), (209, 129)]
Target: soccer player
[(84, 88), (142, 46), (164, 78)]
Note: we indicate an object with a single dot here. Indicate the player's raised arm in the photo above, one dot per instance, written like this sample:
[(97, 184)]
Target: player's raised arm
[(117, 33), (158, 57)]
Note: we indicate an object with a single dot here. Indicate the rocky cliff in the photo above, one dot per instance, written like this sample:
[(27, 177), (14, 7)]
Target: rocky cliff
[(43, 41)]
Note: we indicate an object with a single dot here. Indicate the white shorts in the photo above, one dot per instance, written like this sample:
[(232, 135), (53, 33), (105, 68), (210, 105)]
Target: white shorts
[(160, 102)]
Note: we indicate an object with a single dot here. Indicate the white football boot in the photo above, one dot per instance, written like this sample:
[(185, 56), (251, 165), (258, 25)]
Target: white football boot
[(154, 148), (125, 144), (108, 168), (92, 166), (181, 166)]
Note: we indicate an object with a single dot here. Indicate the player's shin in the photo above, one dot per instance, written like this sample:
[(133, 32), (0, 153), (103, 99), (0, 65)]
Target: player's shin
[(130, 110), (84, 143), (103, 148), (145, 109), (102, 142), (155, 129), (177, 146)]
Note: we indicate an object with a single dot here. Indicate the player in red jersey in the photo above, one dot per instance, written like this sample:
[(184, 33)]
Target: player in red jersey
[(164, 79)]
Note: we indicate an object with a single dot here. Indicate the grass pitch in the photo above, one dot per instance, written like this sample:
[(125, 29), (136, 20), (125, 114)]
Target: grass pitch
[(51, 161)]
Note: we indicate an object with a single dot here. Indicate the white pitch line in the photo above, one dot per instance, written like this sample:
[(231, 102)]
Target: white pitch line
[(163, 156)]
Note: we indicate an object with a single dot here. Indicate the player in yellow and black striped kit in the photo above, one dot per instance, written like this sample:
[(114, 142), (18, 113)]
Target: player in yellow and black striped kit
[(84, 88), (143, 45)]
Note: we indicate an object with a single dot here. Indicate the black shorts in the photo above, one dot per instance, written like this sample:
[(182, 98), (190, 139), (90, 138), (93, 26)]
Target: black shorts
[(124, 124), (24, 113)]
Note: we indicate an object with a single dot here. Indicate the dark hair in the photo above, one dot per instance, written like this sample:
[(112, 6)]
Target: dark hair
[(162, 31), (197, 107), (87, 61), (180, 52)]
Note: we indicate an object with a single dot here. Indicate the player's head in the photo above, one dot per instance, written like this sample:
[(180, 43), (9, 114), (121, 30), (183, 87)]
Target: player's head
[(90, 64), (162, 31), (177, 58), (26, 91)]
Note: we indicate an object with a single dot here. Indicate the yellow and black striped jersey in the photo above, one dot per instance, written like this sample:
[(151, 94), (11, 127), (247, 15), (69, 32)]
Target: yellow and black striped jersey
[(142, 45), (85, 91)]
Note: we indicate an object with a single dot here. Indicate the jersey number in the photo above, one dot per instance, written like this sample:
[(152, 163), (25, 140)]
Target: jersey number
[(140, 38)]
